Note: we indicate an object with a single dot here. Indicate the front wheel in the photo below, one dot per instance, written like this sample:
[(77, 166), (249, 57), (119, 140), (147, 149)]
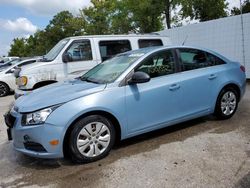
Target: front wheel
[(4, 89), (227, 103), (91, 139)]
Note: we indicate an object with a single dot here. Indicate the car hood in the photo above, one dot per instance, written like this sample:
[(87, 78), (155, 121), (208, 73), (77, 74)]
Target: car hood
[(56, 94)]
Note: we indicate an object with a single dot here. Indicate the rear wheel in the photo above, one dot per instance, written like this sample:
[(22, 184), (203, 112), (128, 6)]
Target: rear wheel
[(4, 89), (91, 139), (227, 103)]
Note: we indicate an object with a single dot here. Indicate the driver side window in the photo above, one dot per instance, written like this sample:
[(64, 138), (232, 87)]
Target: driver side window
[(159, 64), (80, 51)]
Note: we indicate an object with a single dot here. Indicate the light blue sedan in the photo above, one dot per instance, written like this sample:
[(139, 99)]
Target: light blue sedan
[(130, 94)]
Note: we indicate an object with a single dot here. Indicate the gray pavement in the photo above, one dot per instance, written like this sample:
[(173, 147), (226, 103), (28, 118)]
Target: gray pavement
[(199, 153)]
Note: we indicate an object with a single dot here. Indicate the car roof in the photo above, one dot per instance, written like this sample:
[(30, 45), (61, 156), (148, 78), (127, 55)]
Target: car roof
[(153, 35), (149, 50)]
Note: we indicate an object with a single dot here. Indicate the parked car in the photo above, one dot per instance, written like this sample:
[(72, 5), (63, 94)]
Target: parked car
[(130, 94), (5, 59), (7, 78), (73, 56), (10, 63)]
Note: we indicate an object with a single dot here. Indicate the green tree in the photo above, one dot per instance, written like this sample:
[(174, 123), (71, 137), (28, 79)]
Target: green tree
[(122, 17), (245, 8), (17, 48), (146, 15), (204, 10), (63, 25)]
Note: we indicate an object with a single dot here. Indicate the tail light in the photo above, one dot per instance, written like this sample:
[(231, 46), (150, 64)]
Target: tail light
[(242, 68)]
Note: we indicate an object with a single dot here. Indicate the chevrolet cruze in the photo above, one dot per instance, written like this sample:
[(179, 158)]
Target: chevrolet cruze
[(130, 94)]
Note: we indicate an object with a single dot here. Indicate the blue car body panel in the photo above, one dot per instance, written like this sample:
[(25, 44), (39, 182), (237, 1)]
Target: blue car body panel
[(139, 108)]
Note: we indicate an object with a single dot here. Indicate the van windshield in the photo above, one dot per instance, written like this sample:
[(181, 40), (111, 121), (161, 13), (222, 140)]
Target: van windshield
[(55, 50), (111, 69)]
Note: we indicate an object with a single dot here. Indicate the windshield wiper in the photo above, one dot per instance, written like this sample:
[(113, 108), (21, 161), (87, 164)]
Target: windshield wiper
[(87, 79), (45, 59)]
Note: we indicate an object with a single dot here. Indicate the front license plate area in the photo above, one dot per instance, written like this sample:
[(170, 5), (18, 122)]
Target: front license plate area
[(9, 134)]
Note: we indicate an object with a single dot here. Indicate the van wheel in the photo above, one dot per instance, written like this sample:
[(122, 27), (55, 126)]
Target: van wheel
[(4, 89), (227, 103), (91, 139)]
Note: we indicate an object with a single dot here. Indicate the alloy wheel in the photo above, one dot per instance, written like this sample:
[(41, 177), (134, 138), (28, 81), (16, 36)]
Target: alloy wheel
[(228, 103), (93, 139)]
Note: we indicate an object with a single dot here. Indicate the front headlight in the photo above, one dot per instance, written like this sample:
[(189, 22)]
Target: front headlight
[(22, 81), (38, 117)]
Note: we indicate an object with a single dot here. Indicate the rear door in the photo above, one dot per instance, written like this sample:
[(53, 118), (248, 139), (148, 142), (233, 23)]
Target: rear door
[(197, 79)]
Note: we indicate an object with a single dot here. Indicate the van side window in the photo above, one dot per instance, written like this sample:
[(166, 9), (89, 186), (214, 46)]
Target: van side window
[(109, 49), (143, 43), (159, 64), (80, 51)]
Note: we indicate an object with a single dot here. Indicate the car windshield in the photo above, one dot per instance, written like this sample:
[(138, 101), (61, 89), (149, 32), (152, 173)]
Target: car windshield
[(12, 62), (55, 50), (111, 69)]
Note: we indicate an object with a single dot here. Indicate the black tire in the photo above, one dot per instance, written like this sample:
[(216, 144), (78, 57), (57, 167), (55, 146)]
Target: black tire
[(4, 89), (75, 153), (218, 109)]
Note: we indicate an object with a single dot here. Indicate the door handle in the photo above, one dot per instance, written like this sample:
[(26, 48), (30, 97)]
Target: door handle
[(212, 76), (174, 87)]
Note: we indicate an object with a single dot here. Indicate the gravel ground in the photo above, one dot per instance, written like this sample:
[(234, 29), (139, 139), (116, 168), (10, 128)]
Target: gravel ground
[(199, 153)]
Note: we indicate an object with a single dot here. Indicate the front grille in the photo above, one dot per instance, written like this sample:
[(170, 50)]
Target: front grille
[(33, 146), (9, 120)]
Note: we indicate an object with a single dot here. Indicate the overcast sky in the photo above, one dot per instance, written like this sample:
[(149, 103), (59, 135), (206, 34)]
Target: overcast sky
[(20, 18)]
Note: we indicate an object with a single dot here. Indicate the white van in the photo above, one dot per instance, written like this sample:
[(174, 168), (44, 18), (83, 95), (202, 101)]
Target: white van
[(73, 56)]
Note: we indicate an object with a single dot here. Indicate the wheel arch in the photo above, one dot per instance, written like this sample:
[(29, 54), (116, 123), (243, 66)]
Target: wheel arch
[(103, 113), (227, 85), (234, 86)]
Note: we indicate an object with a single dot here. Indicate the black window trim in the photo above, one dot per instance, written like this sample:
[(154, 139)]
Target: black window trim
[(75, 41), (205, 52), (124, 82)]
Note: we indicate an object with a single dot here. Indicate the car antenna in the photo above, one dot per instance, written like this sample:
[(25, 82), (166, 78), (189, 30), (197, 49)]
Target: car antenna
[(185, 40)]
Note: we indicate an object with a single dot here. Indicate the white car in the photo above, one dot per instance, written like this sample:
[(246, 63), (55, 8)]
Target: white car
[(7, 78), (5, 59), (73, 56)]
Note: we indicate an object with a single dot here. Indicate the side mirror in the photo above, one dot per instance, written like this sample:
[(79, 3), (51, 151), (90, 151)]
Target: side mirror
[(66, 58), (11, 71), (139, 77), (17, 71)]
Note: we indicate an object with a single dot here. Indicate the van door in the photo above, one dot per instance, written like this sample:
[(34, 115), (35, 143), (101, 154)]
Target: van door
[(81, 58)]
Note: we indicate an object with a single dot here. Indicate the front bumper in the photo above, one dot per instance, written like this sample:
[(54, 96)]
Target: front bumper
[(19, 93), (35, 140)]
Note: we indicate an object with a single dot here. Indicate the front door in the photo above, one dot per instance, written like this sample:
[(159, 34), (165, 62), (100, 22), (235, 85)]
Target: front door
[(150, 105), (81, 58)]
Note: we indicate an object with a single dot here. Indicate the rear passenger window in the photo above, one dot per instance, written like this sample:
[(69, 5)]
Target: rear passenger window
[(193, 59), (159, 64), (213, 60), (143, 43), (109, 49)]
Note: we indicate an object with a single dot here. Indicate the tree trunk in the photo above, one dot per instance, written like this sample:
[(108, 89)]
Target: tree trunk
[(168, 13)]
